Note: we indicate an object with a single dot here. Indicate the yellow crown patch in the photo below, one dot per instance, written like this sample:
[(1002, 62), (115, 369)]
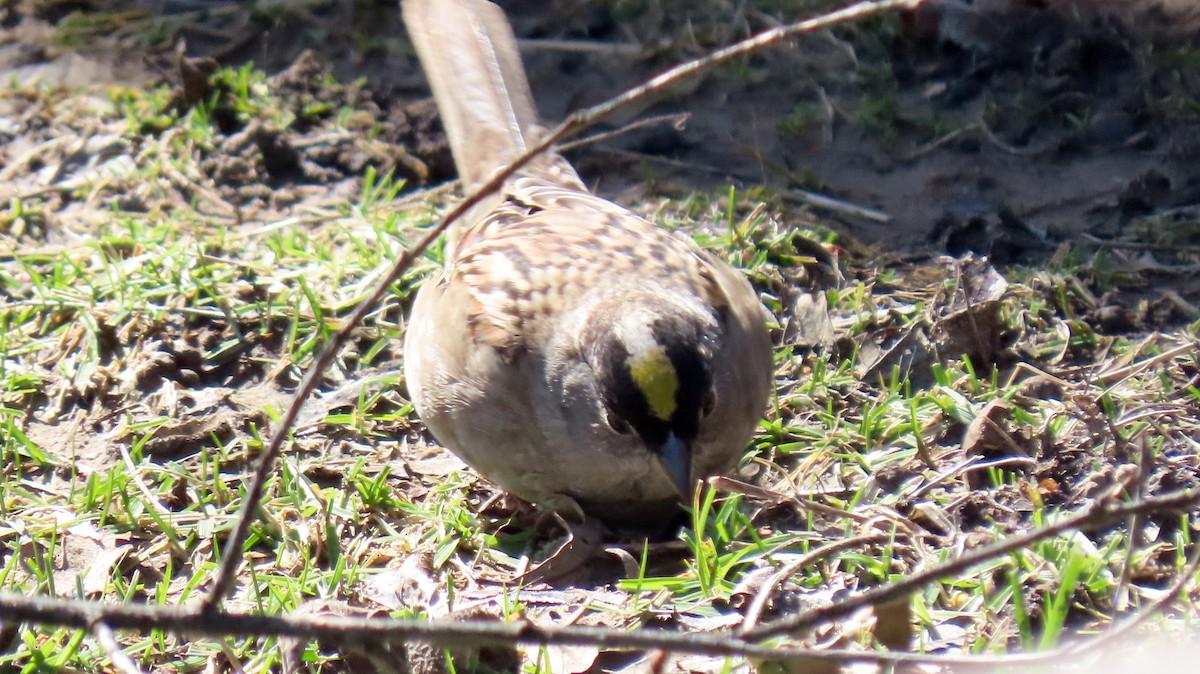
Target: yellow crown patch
[(655, 377)]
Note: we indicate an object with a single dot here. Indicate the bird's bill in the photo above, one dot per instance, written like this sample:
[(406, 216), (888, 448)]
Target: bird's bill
[(676, 459)]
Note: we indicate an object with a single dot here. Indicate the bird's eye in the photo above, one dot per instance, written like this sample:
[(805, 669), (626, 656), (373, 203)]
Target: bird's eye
[(710, 403)]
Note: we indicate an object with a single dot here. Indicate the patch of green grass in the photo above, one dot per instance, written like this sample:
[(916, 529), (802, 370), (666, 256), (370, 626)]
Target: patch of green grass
[(802, 118), (880, 117), (157, 305)]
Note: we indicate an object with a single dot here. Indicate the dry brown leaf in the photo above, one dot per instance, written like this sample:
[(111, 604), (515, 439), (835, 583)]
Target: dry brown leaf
[(809, 324), (985, 434)]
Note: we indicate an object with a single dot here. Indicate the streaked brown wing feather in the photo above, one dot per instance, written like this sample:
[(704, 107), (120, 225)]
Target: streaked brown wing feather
[(544, 247)]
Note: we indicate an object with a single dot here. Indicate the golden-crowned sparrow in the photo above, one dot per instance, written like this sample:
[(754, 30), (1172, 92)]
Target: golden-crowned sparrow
[(570, 351)]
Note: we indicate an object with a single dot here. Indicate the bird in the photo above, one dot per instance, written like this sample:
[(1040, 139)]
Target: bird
[(572, 352)]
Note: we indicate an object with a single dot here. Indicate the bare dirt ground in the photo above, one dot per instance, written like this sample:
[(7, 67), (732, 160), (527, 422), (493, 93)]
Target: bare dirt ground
[(1067, 127), (998, 128), (1060, 144)]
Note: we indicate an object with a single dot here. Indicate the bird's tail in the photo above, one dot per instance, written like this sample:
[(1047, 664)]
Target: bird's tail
[(470, 57)]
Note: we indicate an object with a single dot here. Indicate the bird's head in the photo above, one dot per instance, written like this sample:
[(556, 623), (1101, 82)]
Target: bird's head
[(653, 367)]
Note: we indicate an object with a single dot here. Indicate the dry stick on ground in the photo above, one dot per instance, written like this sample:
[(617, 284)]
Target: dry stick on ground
[(1183, 249), (84, 614), (1173, 592), (1103, 510), (1095, 647), (759, 603), (1133, 522), (677, 121), (344, 631), (232, 558)]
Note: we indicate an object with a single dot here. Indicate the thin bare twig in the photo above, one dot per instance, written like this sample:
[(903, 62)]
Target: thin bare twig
[(754, 612), (1178, 248), (102, 618), (967, 465), (1112, 377), (936, 143), (1101, 511), (837, 205), (1134, 522), (227, 573), (677, 120), (84, 614), (633, 49), (232, 558), (853, 12), (344, 631), (1174, 592)]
